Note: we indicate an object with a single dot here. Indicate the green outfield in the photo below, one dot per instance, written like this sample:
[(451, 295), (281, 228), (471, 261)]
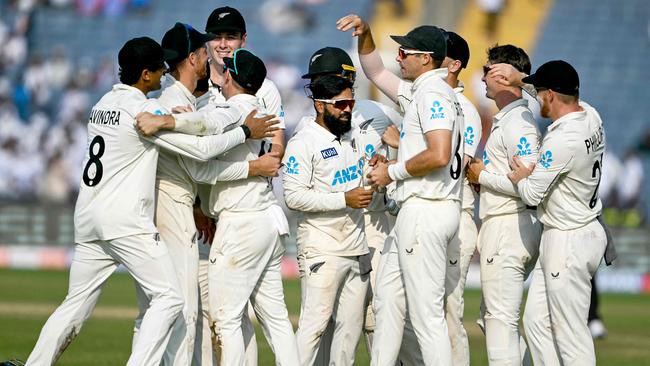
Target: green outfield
[(28, 297)]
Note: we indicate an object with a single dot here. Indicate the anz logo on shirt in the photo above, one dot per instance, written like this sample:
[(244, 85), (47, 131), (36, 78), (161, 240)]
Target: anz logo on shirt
[(292, 166), (523, 147), (349, 174), (370, 151), (158, 112), (486, 161), (469, 136), (546, 159), (437, 110)]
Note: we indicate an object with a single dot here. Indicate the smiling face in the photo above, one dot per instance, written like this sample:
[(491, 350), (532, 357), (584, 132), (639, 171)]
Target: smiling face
[(224, 45)]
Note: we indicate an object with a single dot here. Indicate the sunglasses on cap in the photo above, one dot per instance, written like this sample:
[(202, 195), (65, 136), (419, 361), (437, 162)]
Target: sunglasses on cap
[(340, 104), (348, 72), (403, 52)]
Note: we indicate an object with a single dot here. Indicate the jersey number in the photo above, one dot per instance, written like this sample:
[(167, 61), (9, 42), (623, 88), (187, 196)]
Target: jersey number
[(596, 168), (458, 162), (94, 160)]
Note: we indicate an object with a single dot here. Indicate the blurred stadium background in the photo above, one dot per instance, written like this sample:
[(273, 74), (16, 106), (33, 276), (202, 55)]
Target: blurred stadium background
[(58, 56)]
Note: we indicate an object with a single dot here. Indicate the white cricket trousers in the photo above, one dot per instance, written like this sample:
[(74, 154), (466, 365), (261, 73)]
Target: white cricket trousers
[(333, 288), (558, 300), (245, 265), (414, 287), (377, 227), (205, 345), (147, 260), (509, 247), (459, 255), (175, 223)]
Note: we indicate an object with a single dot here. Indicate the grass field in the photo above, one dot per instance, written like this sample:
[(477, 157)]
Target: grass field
[(28, 297)]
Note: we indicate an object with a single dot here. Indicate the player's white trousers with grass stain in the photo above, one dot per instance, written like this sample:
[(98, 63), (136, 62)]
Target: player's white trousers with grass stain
[(245, 265), (333, 288), (175, 222), (509, 246), (148, 261), (558, 300), (423, 231), (459, 254)]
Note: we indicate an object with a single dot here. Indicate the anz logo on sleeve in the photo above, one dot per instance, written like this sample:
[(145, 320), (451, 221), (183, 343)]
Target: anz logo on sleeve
[(348, 174)]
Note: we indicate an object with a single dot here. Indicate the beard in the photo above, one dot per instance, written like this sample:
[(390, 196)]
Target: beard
[(338, 125)]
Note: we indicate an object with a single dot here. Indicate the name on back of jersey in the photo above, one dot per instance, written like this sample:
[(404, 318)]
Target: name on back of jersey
[(595, 140), (104, 117)]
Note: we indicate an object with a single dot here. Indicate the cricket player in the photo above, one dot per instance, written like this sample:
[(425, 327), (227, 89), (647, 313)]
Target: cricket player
[(509, 237), (427, 173), (461, 249), (229, 26), (563, 183), (369, 123), (114, 213), (175, 188), (323, 181)]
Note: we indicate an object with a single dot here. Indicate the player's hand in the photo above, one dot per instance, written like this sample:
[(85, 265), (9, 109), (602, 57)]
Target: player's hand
[(377, 158), (266, 165), (182, 109), (473, 170), (352, 21), (205, 226), (261, 127), (148, 124), (506, 74), (520, 170), (359, 197), (391, 137), (379, 175)]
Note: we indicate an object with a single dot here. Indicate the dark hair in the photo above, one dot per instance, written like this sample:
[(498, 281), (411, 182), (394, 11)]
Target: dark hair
[(328, 86), (129, 76), (510, 54)]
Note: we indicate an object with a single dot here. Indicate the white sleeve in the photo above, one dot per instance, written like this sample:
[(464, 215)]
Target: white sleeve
[(435, 112), (299, 193), (214, 171), (207, 121), (198, 147), (269, 98), (498, 182), (555, 159), (375, 70)]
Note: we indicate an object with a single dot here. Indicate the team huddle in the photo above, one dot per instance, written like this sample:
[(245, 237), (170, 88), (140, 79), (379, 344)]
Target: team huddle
[(194, 134)]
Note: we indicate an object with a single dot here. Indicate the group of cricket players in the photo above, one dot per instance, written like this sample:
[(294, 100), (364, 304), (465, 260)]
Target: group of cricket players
[(194, 134)]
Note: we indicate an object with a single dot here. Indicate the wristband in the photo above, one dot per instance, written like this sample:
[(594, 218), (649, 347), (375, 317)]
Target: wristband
[(247, 131), (398, 171)]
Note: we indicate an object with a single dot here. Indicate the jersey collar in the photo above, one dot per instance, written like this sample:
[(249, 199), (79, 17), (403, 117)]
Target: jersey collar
[(460, 88), (568, 117), (320, 130), (431, 75), (129, 88), (521, 102)]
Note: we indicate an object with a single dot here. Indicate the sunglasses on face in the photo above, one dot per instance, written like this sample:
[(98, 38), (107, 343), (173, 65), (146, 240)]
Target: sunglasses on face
[(403, 52), (340, 104)]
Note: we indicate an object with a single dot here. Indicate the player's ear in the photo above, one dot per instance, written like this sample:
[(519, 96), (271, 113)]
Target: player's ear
[(320, 107), (145, 75), (243, 40), (454, 66)]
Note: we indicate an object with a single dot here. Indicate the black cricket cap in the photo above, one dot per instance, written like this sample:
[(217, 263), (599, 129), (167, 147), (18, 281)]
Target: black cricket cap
[(142, 53), (330, 60), (184, 39), (225, 19), (556, 75), (246, 69), (457, 48), (425, 38)]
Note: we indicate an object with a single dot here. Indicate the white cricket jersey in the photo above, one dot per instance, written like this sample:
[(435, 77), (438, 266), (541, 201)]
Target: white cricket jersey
[(514, 132), (564, 184), (429, 104), (251, 194), (116, 195), (472, 132), (370, 120), (171, 178), (318, 170)]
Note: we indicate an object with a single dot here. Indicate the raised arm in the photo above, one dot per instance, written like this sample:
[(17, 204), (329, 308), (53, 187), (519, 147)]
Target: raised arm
[(371, 62)]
